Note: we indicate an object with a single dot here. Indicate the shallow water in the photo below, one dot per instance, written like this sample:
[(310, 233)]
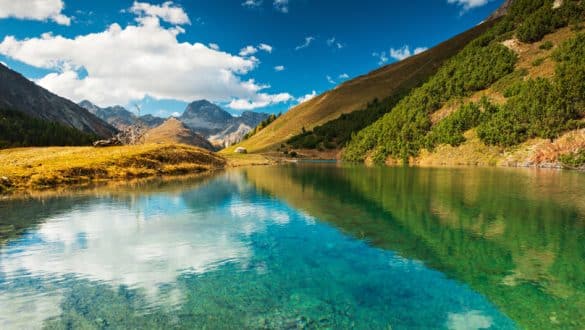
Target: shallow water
[(302, 246)]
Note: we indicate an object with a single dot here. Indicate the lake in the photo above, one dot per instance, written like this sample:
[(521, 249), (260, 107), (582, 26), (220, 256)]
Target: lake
[(302, 246)]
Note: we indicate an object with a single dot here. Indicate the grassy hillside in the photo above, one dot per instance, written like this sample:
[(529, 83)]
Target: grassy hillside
[(50, 167), (20, 130), (355, 94), (544, 105)]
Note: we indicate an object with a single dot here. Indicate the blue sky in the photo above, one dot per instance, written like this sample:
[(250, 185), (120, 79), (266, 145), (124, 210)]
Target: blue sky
[(261, 55)]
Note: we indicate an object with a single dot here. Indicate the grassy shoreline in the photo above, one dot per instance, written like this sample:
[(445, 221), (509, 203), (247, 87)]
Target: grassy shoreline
[(51, 167)]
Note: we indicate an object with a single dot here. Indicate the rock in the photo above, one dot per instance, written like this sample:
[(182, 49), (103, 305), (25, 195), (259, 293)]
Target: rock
[(241, 150), (107, 143)]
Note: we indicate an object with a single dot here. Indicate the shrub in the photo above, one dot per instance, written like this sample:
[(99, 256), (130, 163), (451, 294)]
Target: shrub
[(546, 45), (401, 133), (538, 61), (573, 160)]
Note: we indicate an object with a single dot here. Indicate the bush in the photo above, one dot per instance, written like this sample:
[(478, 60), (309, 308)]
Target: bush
[(401, 133), (546, 45), (336, 133), (450, 130), (538, 24), (573, 160), (538, 61)]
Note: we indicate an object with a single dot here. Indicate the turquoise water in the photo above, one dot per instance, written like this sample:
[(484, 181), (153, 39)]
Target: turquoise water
[(307, 246)]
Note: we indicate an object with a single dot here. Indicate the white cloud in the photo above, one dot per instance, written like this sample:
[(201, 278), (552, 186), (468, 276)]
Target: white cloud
[(281, 6), (148, 61), (177, 241), (265, 47), (279, 68), (307, 97), (332, 42), (404, 52), (261, 100), (330, 80), (248, 50), (167, 12), (39, 10), (251, 50), (176, 114), (382, 58), (252, 3), (419, 50), (468, 4), (214, 46), (307, 43), (343, 76)]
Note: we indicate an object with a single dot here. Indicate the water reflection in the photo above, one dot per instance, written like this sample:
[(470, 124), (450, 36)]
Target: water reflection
[(306, 246), (516, 236)]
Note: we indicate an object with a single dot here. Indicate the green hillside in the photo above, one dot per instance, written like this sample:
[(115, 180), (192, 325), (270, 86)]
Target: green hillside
[(533, 106), (20, 130), (384, 84)]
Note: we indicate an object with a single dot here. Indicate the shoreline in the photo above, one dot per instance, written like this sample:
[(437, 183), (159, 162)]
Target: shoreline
[(42, 169)]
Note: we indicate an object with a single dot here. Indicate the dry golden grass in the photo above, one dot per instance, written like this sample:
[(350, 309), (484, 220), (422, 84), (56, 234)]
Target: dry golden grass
[(50, 167), (472, 152), (355, 94), (531, 52), (242, 160)]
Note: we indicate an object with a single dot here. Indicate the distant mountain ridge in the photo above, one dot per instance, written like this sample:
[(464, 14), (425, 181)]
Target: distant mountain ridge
[(218, 125), (119, 116), (20, 94), (203, 117)]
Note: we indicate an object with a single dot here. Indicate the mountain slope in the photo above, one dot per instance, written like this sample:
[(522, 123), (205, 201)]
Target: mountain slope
[(17, 129), (174, 131), (355, 94), (540, 101), (20, 94)]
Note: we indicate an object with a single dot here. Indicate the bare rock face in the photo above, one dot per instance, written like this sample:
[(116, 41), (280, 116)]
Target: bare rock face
[(502, 11), (20, 94), (218, 125)]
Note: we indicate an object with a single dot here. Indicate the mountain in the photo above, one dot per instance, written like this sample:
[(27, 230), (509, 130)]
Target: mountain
[(388, 81), (152, 121), (20, 94), (514, 96), (509, 91), (18, 129), (119, 116), (218, 125), (174, 131)]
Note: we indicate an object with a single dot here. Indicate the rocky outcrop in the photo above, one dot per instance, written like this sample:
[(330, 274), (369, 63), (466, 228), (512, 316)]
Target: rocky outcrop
[(501, 11), (218, 125)]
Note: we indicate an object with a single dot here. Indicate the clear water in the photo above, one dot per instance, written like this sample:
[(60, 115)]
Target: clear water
[(306, 246)]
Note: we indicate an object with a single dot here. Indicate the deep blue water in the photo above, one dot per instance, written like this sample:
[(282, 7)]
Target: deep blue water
[(250, 248)]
